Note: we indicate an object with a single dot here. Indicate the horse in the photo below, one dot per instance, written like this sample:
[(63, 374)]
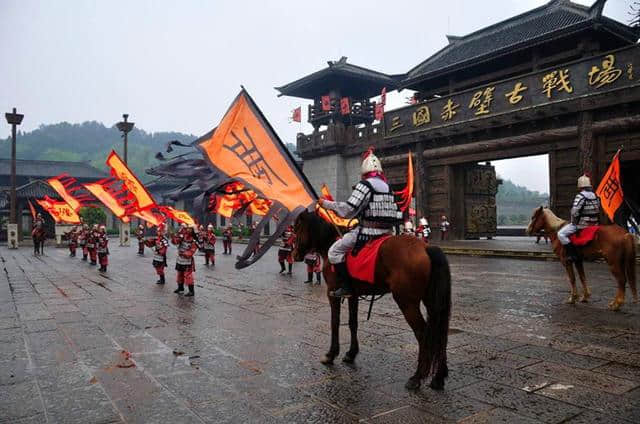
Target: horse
[(412, 272), (38, 235), (612, 243)]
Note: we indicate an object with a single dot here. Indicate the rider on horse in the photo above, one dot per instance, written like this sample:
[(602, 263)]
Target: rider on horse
[(372, 202), (585, 212)]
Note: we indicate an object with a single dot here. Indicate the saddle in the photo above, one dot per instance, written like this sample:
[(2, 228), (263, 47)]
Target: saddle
[(362, 264), (584, 236)]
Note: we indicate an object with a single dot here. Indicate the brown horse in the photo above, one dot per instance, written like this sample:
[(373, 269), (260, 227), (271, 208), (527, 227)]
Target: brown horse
[(38, 235), (407, 268), (611, 243)]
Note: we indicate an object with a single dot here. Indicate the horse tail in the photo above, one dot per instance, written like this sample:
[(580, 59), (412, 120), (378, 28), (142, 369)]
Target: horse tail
[(630, 260), (438, 303)]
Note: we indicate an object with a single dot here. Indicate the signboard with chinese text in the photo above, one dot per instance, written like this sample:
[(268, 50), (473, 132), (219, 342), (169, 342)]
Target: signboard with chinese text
[(611, 71)]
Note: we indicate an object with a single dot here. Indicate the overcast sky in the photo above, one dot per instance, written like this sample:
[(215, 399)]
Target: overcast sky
[(176, 65)]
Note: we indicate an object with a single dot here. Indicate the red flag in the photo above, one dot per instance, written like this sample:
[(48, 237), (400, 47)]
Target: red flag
[(407, 193), (297, 114), (383, 96), (379, 111), (326, 103), (345, 107), (610, 189)]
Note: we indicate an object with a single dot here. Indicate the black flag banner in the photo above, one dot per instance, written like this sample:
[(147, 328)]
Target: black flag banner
[(244, 148)]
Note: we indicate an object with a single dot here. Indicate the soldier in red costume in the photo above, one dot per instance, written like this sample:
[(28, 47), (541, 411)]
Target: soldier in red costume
[(103, 248), (140, 237), (92, 241), (209, 246), (424, 230), (227, 237), (72, 238), (285, 253), (82, 241), (185, 240), (314, 265), (160, 245)]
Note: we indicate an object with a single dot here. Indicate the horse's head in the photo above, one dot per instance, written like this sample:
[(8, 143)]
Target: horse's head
[(302, 228), (537, 222)]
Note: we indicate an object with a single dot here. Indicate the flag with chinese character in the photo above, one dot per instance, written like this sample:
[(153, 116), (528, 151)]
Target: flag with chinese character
[(246, 149), (383, 96), (297, 114), (131, 183), (326, 103), (407, 193), (178, 215), (345, 107), (70, 191), (152, 219), (115, 201), (60, 211), (610, 188)]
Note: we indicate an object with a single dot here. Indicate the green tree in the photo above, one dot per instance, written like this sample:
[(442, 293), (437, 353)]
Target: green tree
[(92, 216)]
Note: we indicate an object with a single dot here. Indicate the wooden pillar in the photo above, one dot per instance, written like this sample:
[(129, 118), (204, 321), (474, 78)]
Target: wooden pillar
[(19, 207), (553, 172), (587, 145), (420, 175)]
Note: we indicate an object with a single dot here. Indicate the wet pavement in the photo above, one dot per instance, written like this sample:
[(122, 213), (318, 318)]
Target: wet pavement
[(78, 347)]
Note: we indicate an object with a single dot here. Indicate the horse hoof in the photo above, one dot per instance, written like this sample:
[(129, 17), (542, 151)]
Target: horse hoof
[(437, 384), (412, 384), (349, 359), (326, 360), (614, 305), (571, 300)]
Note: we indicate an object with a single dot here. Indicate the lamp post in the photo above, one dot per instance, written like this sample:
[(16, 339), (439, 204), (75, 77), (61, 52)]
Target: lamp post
[(125, 127), (14, 119)]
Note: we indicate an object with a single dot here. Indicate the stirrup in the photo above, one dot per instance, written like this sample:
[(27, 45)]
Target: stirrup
[(341, 292)]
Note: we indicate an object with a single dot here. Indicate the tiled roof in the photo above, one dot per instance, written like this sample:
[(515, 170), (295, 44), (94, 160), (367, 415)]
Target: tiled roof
[(49, 168), (545, 22), (363, 82)]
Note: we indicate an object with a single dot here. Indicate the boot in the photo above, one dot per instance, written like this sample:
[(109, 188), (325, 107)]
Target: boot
[(570, 252), (309, 278), (282, 268), (290, 267), (191, 291), (84, 257), (161, 280), (180, 288), (345, 281), (318, 278)]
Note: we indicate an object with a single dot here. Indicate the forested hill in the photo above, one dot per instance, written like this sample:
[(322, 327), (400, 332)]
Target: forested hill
[(515, 203), (90, 141)]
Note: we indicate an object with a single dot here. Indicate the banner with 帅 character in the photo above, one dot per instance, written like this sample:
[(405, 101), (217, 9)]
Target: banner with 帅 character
[(610, 189), (59, 211), (119, 170)]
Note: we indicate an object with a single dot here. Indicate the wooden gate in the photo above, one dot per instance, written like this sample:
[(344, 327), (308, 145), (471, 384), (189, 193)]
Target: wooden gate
[(481, 186)]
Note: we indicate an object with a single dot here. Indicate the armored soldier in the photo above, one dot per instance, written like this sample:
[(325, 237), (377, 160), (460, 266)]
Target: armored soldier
[(424, 230), (92, 241), (185, 240), (314, 265), (159, 244), (209, 246), (373, 203), (140, 237), (227, 237), (408, 228), (102, 242), (72, 239), (444, 227), (82, 241), (584, 213), (285, 253)]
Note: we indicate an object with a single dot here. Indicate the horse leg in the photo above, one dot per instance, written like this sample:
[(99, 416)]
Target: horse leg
[(572, 282), (617, 270), (350, 356), (413, 315), (335, 332), (586, 291)]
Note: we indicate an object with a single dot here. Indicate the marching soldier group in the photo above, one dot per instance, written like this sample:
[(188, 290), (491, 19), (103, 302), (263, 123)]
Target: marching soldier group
[(94, 243)]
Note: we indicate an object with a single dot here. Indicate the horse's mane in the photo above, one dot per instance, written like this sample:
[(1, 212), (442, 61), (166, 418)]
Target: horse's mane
[(554, 222), (324, 233)]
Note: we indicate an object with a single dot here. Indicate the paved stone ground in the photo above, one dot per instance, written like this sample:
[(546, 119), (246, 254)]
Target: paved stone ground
[(247, 348)]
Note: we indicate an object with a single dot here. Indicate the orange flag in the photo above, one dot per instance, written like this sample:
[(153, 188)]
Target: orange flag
[(406, 194), (32, 209), (178, 215), (151, 218), (108, 199), (57, 185), (245, 148), (329, 215), (120, 170), (610, 188), (60, 211)]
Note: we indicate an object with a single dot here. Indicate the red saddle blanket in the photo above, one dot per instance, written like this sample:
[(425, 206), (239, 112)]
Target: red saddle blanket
[(363, 266), (584, 236)]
